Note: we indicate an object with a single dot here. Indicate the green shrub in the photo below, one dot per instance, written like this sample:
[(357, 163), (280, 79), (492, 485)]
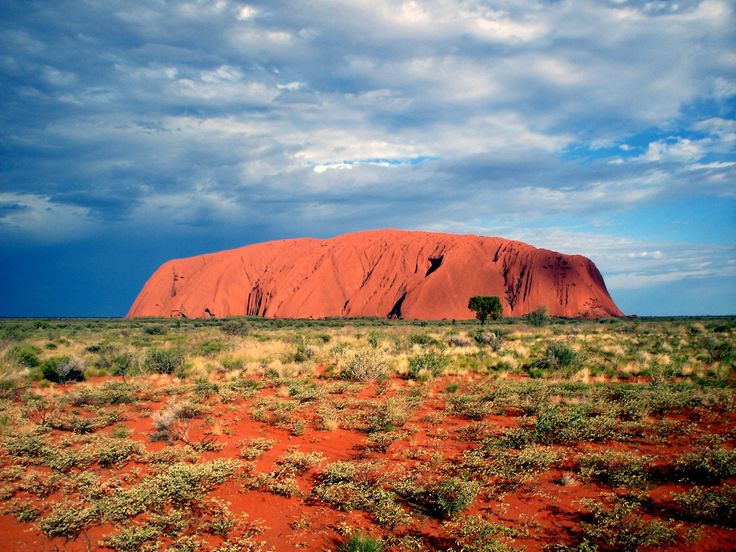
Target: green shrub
[(620, 469), (622, 527), (211, 348), (62, 369), (706, 465), (422, 340), (24, 355), (351, 486), (443, 499), (425, 366), (538, 317), (155, 330), (164, 361), (713, 505), (556, 355)]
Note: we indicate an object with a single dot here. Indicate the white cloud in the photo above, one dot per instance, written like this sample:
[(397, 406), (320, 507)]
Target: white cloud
[(246, 12), (674, 149), (42, 218)]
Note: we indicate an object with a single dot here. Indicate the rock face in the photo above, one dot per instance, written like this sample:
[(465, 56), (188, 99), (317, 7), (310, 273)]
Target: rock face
[(384, 273)]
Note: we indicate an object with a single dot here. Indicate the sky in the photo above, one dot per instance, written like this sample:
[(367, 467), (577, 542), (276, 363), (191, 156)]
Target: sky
[(136, 132)]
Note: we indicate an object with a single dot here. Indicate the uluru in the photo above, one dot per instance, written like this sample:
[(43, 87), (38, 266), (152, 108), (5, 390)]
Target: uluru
[(380, 273)]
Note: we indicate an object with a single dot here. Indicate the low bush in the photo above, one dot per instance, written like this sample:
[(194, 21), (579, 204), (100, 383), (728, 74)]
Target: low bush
[(538, 317), (24, 355), (556, 355), (365, 365), (62, 369), (494, 340), (442, 499), (164, 361), (425, 366), (621, 526), (619, 469), (712, 505), (706, 465)]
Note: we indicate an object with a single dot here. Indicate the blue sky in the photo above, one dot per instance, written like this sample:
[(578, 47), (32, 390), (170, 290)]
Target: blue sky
[(134, 132)]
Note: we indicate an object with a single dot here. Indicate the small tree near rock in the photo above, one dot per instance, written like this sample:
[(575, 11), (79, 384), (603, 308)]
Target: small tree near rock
[(486, 306)]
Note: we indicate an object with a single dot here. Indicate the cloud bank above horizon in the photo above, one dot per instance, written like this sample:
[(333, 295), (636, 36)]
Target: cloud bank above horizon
[(136, 132)]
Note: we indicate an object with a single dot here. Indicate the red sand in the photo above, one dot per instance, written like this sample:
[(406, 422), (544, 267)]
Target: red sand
[(414, 275)]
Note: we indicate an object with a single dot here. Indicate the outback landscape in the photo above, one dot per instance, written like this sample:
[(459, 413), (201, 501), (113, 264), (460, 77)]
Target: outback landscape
[(367, 276), (251, 434)]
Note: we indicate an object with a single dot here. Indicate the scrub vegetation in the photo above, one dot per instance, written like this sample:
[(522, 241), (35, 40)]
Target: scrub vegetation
[(363, 434)]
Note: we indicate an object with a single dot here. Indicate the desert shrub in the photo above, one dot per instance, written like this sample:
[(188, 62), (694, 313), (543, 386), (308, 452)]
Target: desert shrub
[(713, 505), (494, 340), (68, 520), (425, 366), (622, 527), (706, 465), (11, 386), (116, 452), (472, 406), (473, 533), (509, 466), (365, 365), (234, 327), (351, 486), (62, 369), (121, 364), (253, 448), (109, 393), (164, 361), (300, 462), (442, 499), (556, 355), (422, 340), (458, 341), (388, 415), (155, 330), (305, 391), (538, 317), (180, 485), (210, 348), (24, 355), (619, 469), (133, 539), (362, 543), (165, 420), (568, 425)]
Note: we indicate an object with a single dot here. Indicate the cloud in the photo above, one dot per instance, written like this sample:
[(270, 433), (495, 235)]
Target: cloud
[(357, 114)]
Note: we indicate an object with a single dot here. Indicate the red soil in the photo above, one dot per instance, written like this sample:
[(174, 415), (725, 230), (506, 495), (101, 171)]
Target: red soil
[(414, 275), (544, 511)]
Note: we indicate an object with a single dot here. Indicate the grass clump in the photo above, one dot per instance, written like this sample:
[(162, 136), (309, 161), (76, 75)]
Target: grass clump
[(362, 543)]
